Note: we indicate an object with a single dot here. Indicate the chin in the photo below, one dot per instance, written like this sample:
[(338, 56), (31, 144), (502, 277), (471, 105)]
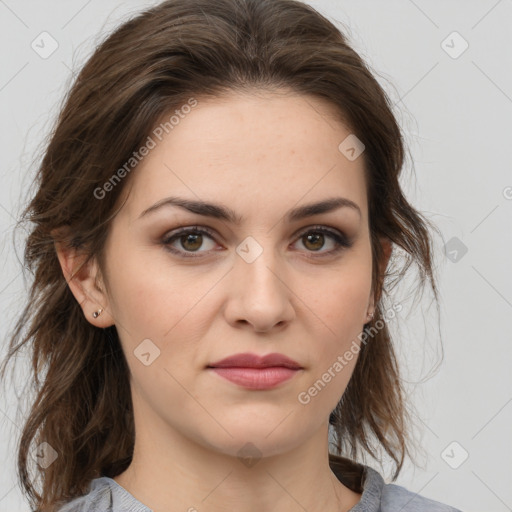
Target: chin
[(256, 440)]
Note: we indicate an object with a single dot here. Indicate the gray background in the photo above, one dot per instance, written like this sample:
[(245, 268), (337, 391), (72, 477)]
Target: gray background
[(456, 111)]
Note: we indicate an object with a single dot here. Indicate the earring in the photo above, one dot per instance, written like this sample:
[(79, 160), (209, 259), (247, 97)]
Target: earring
[(371, 317), (96, 314)]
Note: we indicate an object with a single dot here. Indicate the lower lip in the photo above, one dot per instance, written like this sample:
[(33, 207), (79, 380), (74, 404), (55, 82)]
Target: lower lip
[(256, 378)]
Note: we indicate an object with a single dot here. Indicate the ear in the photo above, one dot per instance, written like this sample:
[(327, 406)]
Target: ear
[(387, 248), (84, 281)]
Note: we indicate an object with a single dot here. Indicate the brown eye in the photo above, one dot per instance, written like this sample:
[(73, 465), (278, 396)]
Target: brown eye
[(191, 241), (317, 238), (187, 241), (314, 241)]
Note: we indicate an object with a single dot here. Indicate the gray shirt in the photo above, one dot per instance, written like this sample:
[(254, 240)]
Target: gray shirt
[(106, 495)]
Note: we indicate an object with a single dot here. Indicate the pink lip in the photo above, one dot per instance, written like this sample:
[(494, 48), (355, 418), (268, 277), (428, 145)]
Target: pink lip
[(248, 360), (256, 372), (256, 378)]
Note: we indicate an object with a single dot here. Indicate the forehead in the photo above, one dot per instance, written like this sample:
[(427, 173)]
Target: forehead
[(265, 151)]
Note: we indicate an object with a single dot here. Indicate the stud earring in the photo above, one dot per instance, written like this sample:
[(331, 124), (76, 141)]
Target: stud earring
[(96, 314)]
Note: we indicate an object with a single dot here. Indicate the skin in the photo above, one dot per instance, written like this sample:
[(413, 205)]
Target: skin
[(260, 155)]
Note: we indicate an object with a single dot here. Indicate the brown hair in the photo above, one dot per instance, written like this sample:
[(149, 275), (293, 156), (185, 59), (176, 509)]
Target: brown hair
[(147, 67)]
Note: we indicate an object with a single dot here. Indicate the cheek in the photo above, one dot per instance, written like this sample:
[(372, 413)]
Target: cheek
[(342, 307), (342, 300), (149, 296), (327, 383), (156, 301)]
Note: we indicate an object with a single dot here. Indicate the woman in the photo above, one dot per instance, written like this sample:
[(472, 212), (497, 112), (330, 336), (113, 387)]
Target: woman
[(215, 216)]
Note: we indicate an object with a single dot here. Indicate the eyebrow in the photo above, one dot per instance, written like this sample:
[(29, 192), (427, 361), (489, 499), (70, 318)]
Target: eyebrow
[(221, 212)]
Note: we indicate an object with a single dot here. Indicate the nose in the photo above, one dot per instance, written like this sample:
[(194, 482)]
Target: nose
[(260, 295)]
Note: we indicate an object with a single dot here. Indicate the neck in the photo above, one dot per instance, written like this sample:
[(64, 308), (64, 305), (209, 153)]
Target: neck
[(171, 472)]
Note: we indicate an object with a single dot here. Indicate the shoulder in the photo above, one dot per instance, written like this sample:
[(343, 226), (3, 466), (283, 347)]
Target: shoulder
[(395, 498), (378, 496), (105, 495), (98, 499)]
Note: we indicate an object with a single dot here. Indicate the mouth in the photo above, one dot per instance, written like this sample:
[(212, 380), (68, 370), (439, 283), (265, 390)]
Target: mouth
[(253, 371), (249, 360), (256, 378)]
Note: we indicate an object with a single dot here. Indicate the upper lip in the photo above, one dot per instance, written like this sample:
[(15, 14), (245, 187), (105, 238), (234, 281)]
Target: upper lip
[(248, 360)]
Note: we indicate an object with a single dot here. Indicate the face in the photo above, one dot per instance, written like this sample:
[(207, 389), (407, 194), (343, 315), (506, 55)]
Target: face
[(189, 288)]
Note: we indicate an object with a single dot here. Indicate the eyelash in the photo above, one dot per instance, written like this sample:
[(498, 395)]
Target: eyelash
[(341, 241)]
